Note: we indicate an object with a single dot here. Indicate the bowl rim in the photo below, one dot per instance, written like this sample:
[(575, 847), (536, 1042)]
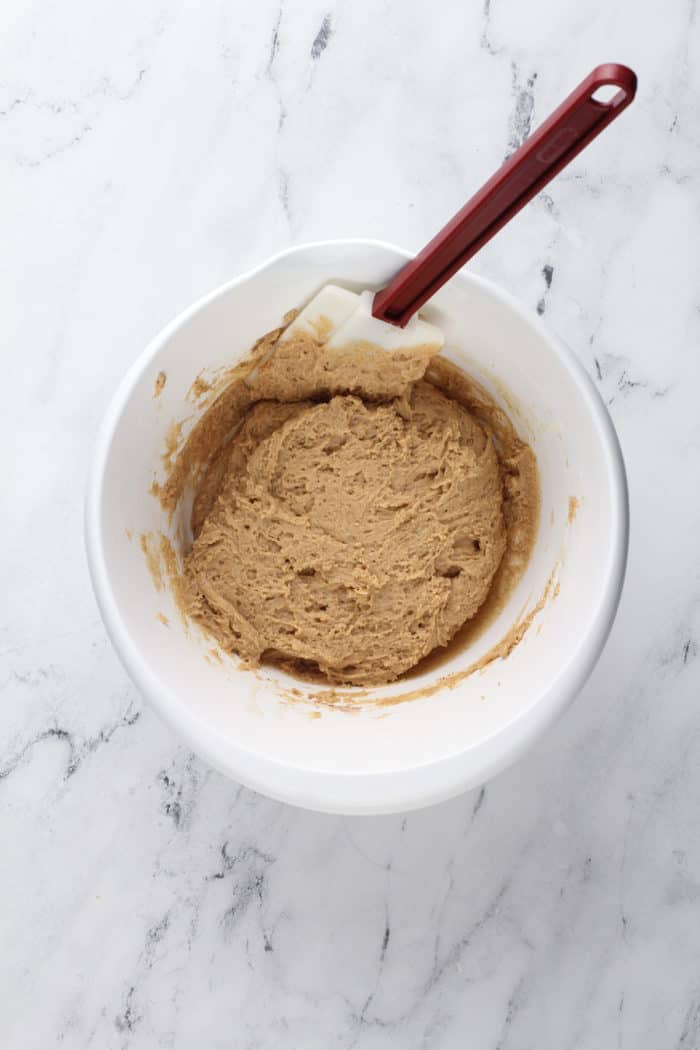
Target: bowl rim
[(337, 791)]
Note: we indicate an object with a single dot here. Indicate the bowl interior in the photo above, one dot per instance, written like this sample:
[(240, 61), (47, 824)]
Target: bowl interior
[(382, 755)]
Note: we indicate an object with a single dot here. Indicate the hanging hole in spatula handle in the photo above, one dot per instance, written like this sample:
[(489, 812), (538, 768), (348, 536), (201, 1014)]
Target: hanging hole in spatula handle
[(576, 122)]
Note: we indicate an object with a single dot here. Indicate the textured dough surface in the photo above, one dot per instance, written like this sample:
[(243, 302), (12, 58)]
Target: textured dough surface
[(302, 368), (348, 536)]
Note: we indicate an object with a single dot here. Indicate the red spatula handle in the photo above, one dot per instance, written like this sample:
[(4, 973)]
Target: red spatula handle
[(556, 142)]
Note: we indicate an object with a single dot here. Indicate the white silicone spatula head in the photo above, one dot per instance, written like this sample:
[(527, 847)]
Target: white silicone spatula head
[(337, 317)]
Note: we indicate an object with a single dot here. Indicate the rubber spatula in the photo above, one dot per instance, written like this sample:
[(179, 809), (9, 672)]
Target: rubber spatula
[(337, 317)]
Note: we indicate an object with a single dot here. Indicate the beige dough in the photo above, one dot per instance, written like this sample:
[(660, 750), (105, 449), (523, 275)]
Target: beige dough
[(304, 368), (350, 536), (351, 533)]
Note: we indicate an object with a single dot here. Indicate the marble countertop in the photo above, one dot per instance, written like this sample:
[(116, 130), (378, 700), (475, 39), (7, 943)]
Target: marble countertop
[(148, 152)]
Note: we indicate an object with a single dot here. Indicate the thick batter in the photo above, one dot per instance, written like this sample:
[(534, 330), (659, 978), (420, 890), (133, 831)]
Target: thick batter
[(351, 536), (351, 533)]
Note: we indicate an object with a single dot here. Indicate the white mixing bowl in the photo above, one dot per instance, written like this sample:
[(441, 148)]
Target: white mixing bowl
[(380, 758)]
